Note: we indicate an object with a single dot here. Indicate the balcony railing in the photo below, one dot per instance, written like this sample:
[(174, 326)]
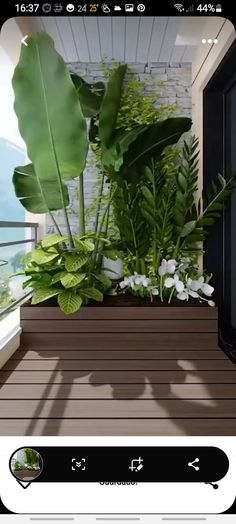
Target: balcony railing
[(16, 239)]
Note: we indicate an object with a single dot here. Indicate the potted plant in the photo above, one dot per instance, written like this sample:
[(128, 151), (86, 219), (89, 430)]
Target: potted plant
[(160, 227)]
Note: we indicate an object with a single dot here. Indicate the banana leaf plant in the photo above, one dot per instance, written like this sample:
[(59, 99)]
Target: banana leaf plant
[(54, 129), (52, 125), (124, 156), (52, 107)]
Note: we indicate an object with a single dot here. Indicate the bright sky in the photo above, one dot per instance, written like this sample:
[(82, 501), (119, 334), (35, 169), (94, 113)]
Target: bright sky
[(8, 120)]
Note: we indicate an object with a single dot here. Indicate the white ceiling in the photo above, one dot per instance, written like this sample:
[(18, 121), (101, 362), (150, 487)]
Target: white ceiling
[(132, 39)]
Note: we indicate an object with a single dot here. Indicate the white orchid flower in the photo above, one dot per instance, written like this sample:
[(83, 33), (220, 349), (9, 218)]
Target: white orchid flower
[(195, 285), (211, 303), (141, 280), (174, 282), (125, 283), (199, 285), (207, 289), (154, 291), (135, 280), (167, 267), (183, 295)]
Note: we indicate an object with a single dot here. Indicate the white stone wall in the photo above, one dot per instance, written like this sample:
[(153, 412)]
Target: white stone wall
[(177, 90)]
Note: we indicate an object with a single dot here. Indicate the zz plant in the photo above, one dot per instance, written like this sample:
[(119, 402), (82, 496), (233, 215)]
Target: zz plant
[(177, 222)]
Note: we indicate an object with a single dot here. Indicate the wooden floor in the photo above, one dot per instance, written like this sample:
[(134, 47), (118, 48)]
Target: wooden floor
[(125, 390)]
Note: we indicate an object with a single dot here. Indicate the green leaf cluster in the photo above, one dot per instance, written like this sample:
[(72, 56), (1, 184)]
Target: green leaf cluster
[(150, 185), (68, 275)]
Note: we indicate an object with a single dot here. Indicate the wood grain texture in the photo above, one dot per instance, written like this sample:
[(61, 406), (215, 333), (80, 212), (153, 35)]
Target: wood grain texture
[(118, 427), (120, 313), (119, 365), (122, 354), (180, 376), (130, 341), (120, 326), (118, 391), (76, 409), (118, 371)]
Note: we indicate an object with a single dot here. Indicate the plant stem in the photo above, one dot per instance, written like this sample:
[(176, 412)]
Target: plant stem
[(135, 246), (104, 216), (81, 206), (142, 266), (99, 258), (154, 262), (68, 228), (54, 223), (171, 295), (108, 212), (161, 295), (99, 231), (99, 203), (133, 233), (176, 251)]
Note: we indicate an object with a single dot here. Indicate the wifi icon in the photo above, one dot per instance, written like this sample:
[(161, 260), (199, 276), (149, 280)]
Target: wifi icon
[(179, 7)]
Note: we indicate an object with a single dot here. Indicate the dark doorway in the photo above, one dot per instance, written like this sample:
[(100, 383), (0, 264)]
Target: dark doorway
[(219, 156)]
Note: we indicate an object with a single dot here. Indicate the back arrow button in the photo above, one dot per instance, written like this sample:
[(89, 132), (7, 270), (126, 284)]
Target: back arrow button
[(24, 40)]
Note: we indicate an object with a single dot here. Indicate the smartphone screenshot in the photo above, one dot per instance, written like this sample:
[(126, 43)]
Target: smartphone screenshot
[(117, 262)]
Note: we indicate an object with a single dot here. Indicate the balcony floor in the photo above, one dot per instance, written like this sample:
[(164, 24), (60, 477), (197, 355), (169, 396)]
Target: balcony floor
[(119, 392)]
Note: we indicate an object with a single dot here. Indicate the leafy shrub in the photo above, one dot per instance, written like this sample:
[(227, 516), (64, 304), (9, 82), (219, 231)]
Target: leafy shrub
[(69, 275)]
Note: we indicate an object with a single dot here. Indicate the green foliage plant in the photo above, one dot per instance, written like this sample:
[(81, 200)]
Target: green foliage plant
[(151, 192), (31, 458), (18, 466), (178, 222), (68, 275), (123, 144)]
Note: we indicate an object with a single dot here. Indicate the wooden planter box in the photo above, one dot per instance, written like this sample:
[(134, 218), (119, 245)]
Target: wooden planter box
[(103, 327), (26, 474)]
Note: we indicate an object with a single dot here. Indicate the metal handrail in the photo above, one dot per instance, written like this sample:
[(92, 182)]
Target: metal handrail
[(15, 242), (17, 303), (4, 223), (9, 224)]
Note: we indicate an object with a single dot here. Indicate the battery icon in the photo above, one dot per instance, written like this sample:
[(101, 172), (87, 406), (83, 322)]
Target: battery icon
[(219, 8)]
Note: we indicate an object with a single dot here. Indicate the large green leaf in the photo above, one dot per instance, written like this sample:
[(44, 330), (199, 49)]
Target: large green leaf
[(50, 121), (110, 105), (93, 293), (43, 257), (52, 240), (86, 245), (44, 294), (28, 188), (72, 279), (74, 261), (105, 280), (188, 228), (150, 144), (112, 157), (90, 95), (69, 302)]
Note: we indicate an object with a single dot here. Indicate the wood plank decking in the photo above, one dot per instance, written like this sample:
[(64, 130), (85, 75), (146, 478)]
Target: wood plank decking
[(110, 379)]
